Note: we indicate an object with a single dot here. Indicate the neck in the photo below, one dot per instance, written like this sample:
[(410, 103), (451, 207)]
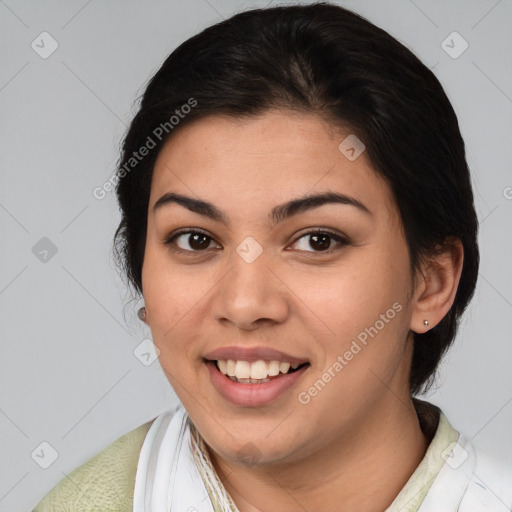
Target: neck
[(365, 470)]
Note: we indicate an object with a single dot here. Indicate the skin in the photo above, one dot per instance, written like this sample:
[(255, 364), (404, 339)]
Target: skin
[(358, 440)]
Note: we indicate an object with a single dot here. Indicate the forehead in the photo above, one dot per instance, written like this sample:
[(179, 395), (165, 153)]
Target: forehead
[(265, 159)]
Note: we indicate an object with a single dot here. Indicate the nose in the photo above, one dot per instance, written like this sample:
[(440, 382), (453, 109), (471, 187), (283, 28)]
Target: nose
[(251, 294)]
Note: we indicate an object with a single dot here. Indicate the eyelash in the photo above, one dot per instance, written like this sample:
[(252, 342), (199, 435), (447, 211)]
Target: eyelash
[(342, 240)]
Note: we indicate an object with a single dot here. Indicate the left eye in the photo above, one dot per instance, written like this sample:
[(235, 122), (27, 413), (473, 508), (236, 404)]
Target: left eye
[(321, 240)]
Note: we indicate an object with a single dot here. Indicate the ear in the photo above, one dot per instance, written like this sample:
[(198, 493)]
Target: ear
[(143, 315), (436, 285)]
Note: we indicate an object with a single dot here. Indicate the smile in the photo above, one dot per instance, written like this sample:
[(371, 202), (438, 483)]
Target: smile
[(253, 384)]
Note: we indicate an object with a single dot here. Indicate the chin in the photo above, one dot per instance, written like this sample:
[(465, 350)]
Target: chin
[(255, 450)]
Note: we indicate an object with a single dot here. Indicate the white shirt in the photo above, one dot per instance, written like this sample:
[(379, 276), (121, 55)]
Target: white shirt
[(453, 476)]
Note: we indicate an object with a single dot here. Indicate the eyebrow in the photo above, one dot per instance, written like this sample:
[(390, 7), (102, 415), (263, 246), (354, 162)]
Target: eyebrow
[(277, 214)]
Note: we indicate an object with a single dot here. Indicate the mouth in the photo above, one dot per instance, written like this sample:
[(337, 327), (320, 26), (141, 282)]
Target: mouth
[(254, 383)]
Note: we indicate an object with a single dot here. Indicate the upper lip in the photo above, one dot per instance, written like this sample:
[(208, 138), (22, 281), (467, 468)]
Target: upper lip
[(251, 355)]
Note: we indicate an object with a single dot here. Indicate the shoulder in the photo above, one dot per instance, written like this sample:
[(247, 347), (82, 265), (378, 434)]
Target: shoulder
[(104, 482)]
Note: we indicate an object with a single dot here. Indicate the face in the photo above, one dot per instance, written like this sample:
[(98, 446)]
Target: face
[(307, 306)]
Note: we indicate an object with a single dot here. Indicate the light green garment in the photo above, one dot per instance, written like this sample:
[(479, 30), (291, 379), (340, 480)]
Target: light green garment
[(413, 493), (106, 481)]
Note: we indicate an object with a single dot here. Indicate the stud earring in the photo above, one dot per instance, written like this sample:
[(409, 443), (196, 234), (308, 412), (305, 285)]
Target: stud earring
[(425, 322), (141, 313)]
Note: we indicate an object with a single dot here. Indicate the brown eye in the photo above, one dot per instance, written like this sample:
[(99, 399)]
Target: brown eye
[(320, 241), (189, 241)]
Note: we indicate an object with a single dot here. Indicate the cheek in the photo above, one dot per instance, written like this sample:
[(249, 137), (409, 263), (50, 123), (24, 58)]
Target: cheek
[(365, 306), (170, 289), (173, 296), (355, 296)]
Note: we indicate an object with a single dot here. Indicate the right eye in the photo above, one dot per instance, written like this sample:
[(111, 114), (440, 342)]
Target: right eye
[(197, 239)]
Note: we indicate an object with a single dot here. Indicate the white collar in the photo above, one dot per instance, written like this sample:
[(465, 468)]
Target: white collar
[(168, 480)]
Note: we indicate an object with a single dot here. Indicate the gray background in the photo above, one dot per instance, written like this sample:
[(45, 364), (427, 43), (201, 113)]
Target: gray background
[(68, 372)]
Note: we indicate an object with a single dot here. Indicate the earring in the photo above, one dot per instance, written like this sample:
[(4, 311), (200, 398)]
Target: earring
[(425, 322), (141, 313)]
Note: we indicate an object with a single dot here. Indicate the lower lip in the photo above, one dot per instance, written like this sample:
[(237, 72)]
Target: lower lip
[(252, 395)]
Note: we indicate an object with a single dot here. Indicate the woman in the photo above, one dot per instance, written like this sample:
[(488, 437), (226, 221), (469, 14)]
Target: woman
[(297, 214)]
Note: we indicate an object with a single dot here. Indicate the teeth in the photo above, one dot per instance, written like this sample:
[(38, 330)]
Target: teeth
[(284, 367), (249, 381), (243, 370), (223, 366), (230, 367), (259, 371), (273, 368)]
